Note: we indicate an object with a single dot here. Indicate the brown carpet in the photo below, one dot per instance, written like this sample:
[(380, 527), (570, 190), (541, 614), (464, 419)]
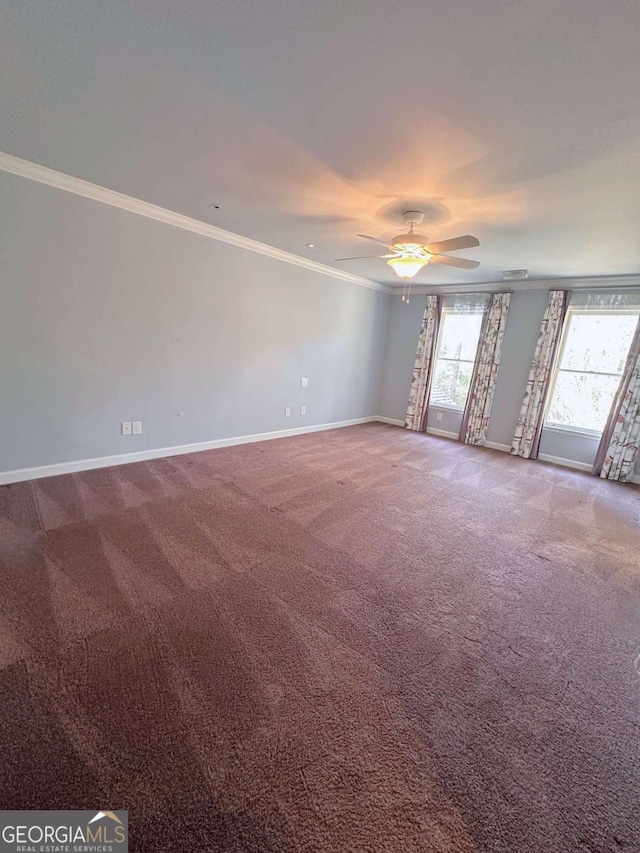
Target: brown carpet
[(357, 640)]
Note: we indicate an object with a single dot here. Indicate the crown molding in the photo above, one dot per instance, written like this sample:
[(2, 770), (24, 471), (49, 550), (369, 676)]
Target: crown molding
[(51, 178), (527, 284)]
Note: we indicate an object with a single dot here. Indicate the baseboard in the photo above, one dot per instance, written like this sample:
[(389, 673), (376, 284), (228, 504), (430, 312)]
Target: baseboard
[(506, 448), (566, 463), (443, 433), (392, 421), (578, 466), (74, 467), (18, 476), (494, 445)]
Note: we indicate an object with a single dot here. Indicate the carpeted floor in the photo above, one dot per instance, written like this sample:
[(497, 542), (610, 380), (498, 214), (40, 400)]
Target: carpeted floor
[(357, 640)]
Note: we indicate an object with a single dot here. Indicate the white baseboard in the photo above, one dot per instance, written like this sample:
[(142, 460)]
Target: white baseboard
[(74, 467), (443, 433), (494, 445), (578, 466), (21, 474), (392, 421), (566, 463), (506, 448)]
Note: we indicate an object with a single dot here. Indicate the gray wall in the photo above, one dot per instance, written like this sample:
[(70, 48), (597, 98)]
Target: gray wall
[(523, 325), (520, 336), (106, 316)]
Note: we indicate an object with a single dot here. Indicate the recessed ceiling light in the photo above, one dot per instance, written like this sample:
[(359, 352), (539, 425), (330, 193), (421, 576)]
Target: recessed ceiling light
[(311, 245)]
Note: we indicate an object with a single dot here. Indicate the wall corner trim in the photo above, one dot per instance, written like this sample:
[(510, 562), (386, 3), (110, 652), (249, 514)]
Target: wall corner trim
[(51, 178)]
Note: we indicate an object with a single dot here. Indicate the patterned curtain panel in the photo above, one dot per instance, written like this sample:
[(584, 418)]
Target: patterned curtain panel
[(417, 410), (485, 371), (527, 436), (620, 444)]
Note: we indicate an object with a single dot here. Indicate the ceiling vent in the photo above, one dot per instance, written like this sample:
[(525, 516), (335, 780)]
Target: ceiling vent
[(515, 275)]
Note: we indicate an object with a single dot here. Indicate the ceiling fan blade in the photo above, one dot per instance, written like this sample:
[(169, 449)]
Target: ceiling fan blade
[(360, 258), (463, 263), (375, 240), (466, 242)]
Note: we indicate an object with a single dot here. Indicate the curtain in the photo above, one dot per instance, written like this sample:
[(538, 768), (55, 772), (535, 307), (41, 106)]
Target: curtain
[(418, 408), (477, 412), (620, 444), (527, 436)]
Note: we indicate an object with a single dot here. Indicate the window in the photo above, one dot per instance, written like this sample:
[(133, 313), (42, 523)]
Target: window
[(588, 368), (455, 356)]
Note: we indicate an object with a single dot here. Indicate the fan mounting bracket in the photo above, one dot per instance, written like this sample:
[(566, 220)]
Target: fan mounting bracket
[(413, 217)]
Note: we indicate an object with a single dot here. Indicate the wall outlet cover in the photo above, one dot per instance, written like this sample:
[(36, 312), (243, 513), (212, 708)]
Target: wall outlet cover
[(287, 412), (303, 410), (137, 427), (126, 427), (304, 382), (439, 416)]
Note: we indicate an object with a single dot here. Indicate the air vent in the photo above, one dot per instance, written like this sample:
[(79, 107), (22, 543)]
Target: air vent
[(515, 275)]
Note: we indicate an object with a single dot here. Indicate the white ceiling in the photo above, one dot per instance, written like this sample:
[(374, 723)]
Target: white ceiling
[(311, 120)]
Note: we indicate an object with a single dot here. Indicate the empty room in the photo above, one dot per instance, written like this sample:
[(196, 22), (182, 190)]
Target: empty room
[(319, 426)]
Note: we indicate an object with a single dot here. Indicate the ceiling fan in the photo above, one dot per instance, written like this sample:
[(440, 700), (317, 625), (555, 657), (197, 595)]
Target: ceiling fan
[(411, 251)]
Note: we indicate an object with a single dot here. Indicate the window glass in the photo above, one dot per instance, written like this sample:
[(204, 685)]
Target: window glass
[(457, 346), (451, 381), (590, 364), (459, 337), (598, 342), (582, 400)]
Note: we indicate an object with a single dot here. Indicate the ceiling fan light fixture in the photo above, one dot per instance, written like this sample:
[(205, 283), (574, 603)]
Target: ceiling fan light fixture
[(406, 268), (411, 251), (409, 242)]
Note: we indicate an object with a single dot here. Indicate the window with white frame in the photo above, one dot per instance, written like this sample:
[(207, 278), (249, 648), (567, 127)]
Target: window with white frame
[(589, 366), (455, 356)]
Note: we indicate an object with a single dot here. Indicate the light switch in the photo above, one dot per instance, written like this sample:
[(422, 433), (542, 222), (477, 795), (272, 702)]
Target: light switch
[(137, 427), (304, 382)]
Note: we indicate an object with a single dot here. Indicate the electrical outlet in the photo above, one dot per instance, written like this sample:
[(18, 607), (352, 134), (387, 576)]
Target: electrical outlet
[(287, 412), (137, 427), (303, 410), (439, 416), (304, 382), (126, 427)]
